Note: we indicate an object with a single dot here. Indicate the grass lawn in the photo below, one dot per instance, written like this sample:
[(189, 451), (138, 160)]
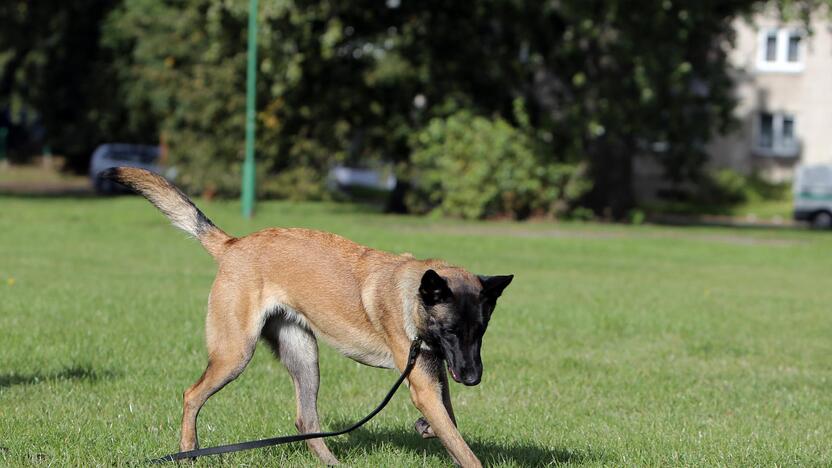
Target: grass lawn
[(766, 209), (614, 346), (778, 211)]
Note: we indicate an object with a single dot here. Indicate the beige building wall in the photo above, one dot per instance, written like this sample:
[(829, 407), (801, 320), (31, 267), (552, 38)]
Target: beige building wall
[(800, 91)]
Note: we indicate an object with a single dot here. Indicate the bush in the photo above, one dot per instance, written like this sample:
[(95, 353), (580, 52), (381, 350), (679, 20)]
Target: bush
[(724, 186), (729, 187), (472, 167), (298, 183)]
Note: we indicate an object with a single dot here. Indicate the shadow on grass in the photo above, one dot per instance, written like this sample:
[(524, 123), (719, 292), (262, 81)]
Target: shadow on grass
[(520, 453), (73, 373)]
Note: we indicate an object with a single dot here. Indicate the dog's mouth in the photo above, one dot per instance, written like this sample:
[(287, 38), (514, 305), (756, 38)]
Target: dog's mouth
[(454, 374)]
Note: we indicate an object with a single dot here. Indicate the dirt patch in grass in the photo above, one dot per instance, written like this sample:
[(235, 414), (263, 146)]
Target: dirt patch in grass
[(41, 181)]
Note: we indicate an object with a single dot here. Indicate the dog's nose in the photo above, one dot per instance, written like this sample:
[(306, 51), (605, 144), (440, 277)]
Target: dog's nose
[(471, 379)]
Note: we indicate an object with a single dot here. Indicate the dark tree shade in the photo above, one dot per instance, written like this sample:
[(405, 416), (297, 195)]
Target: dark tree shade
[(602, 80), (58, 70)]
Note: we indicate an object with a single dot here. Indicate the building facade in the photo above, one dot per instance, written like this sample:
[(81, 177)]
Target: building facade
[(784, 92)]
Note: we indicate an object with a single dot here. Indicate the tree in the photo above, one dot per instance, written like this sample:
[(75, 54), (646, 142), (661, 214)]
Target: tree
[(55, 67), (603, 81)]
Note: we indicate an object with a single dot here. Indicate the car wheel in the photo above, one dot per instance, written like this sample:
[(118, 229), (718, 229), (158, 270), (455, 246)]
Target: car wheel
[(822, 220)]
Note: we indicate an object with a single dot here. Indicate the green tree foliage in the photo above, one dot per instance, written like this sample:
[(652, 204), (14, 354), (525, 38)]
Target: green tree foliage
[(613, 79), (352, 82), (323, 94), (473, 167), (186, 62), (53, 66)]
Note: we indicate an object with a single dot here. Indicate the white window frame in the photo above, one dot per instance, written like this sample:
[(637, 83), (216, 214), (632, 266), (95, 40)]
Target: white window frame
[(781, 63), (778, 147)]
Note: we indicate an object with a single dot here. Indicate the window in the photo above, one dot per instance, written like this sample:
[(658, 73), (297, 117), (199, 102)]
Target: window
[(776, 135), (771, 46), (766, 130), (780, 50), (788, 139), (793, 54)]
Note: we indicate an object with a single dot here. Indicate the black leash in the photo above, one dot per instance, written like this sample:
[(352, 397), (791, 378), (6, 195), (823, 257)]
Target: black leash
[(411, 361)]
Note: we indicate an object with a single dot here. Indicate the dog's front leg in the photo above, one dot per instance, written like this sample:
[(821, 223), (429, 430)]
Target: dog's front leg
[(437, 365), (426, 394)]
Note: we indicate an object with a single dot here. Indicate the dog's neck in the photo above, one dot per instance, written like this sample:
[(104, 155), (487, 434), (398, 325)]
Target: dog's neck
[(412, 309), (414, 325)]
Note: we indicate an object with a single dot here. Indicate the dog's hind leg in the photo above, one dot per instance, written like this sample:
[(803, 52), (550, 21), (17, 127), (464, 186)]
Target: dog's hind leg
[(231, 340), (297, 349)]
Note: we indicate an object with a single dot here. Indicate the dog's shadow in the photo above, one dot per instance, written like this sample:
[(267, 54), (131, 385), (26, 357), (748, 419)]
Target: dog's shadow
[(490, 453), (70, 373)]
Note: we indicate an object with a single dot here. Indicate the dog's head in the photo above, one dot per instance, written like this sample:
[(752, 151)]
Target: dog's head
[(457, 314)]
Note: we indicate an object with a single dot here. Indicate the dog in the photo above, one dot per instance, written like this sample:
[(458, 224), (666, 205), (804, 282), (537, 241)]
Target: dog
[(293, 286)]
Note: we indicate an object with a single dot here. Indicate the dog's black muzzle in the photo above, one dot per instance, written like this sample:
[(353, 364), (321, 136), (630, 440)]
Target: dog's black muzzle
[(469, 373)]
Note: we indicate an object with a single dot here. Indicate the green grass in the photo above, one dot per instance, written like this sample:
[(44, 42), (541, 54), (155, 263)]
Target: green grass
[(763, 210), (614, 346), (766, 209)]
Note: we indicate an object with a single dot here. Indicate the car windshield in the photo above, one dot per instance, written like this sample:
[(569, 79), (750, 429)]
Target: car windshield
[(145, 157)]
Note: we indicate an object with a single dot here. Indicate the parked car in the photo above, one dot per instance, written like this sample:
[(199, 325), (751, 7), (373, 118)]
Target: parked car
[(371, 178), (813, 195), (361, 183), (121, 154)]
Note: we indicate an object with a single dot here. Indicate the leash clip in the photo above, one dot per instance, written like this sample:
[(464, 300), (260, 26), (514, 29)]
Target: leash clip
[(414, 351)]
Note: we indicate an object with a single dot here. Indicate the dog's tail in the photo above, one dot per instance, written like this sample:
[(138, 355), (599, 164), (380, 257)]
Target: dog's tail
[(174, 204)]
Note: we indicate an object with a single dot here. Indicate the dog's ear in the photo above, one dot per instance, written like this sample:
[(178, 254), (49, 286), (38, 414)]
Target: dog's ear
[(434, 289), (493, 286)]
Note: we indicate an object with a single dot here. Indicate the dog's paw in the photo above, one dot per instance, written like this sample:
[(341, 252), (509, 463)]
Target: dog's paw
[(424, 429), (330, 461)]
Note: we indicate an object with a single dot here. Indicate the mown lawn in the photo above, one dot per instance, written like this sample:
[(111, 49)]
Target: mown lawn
[(614, 346)]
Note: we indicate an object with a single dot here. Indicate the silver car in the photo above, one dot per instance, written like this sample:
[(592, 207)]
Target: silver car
[(121, 154), (813, 195)]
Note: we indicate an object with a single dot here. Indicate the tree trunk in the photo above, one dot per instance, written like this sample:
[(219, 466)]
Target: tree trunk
[(395, 203), (611, 170)]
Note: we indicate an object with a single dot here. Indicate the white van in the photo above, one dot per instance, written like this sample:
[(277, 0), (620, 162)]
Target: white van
[(813, 195)]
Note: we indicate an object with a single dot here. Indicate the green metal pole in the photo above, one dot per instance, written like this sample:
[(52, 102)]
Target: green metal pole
[(251, 75)]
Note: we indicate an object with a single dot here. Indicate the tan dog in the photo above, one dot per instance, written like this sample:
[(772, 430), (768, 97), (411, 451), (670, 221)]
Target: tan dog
[(293, 286)]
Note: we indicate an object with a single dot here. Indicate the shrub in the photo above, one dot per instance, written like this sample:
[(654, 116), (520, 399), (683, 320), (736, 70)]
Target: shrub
[(472, 167), (725, 186), (298, 183), (729, 187)]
